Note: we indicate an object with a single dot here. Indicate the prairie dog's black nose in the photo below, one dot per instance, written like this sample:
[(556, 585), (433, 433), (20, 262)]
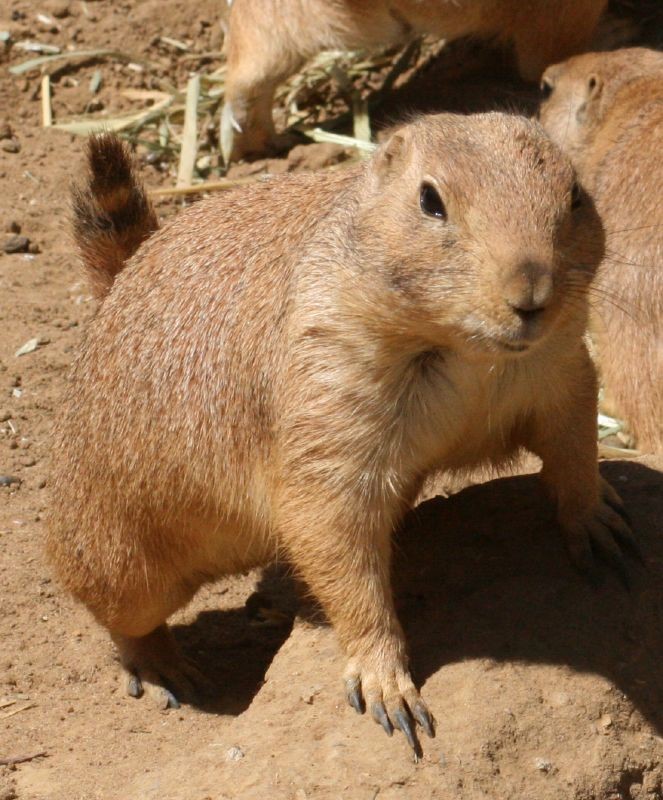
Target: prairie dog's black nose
[(529, 290), (528, 314)]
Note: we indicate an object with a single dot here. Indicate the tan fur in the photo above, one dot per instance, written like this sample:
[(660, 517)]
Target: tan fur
[(269, 39), (606, 110), (279, 368)]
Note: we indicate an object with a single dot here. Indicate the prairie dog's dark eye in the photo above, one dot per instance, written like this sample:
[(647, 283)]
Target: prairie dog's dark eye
[(546, 88), (576, 197), (431, 202)]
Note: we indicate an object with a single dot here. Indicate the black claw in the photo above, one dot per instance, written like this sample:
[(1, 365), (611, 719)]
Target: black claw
[(620, 509), (614, 562), (424, 718), (403, 724), (630, 545), (380, 715), (172, 701), (353, 695), (134, 687)]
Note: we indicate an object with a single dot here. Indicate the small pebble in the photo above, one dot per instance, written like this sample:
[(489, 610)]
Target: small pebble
[(16, 244), (5, 414), (58, 8), (11, 146), (47, 24), (543, 764), (14, 227), (605, 723), (28, 461), (234, 754), (9, 480)]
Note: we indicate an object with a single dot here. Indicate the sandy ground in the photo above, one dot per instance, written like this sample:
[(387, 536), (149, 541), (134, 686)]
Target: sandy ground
[(542, 686)]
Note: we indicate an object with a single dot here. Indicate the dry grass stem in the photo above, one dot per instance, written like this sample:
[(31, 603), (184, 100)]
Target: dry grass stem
[(46, 109), (189, 134)]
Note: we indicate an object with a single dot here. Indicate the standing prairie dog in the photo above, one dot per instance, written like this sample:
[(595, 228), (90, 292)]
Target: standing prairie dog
[(268, 40), (606, 110), (279, 368)]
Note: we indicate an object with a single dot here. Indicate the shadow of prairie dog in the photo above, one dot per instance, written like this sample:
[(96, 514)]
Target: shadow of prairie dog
[(606, 110), (280, 367), (268, 40)]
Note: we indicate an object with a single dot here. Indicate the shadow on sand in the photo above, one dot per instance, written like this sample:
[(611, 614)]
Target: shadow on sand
[(483, 574)]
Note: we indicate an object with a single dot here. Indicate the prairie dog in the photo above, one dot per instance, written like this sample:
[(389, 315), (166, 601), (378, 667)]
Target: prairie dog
[(606, 111), (278, 369), (268, 40)]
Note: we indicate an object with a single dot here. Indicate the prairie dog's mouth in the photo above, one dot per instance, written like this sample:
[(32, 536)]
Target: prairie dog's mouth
[(514, 347)]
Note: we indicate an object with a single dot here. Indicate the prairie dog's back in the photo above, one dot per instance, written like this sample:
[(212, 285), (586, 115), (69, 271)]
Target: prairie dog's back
[(188, 333)]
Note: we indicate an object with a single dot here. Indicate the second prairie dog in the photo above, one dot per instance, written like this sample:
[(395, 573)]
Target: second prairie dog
[(268, 40), (606, 110), (279, 368)]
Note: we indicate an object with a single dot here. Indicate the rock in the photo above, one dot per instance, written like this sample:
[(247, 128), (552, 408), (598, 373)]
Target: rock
[(29, 347), (14, 227), (28, 461), (47, 24), (605, 723), (5, 414), (11, 146), (9, 480), (234, 753), (16, 244), (6, 131), (58, 8)]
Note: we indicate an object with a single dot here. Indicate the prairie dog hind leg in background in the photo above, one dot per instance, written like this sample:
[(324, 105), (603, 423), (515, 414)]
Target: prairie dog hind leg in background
[(606, 111), (268, 40), (279, 368)]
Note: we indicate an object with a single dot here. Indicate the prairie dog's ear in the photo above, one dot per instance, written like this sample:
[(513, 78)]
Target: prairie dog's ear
[(390, 157), (594, 86), (548, 81), (592, 90)]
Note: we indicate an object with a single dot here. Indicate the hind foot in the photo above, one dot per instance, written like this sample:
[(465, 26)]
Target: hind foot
[(154, 666)]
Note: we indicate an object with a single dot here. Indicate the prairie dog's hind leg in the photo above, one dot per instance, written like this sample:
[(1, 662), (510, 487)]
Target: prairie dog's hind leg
[(155, 666)]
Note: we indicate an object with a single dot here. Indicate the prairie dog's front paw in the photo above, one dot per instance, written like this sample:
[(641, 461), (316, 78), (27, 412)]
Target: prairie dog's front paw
[(389, 694), (602, 533)]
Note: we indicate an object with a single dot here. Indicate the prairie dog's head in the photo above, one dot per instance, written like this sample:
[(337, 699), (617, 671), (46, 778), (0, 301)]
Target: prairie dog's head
[(579, 93), (476, 234)]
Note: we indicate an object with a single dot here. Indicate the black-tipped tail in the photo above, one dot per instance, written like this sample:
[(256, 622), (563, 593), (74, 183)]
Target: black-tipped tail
[(112, 214)]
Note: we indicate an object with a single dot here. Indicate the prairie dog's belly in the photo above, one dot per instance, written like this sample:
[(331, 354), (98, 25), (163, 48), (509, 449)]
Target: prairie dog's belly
[(227, 545)]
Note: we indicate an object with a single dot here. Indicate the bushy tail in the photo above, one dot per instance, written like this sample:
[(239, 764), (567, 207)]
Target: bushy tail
[(112, 214)]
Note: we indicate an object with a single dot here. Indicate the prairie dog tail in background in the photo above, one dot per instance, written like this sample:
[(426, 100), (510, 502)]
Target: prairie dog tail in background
[(112, 215)]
